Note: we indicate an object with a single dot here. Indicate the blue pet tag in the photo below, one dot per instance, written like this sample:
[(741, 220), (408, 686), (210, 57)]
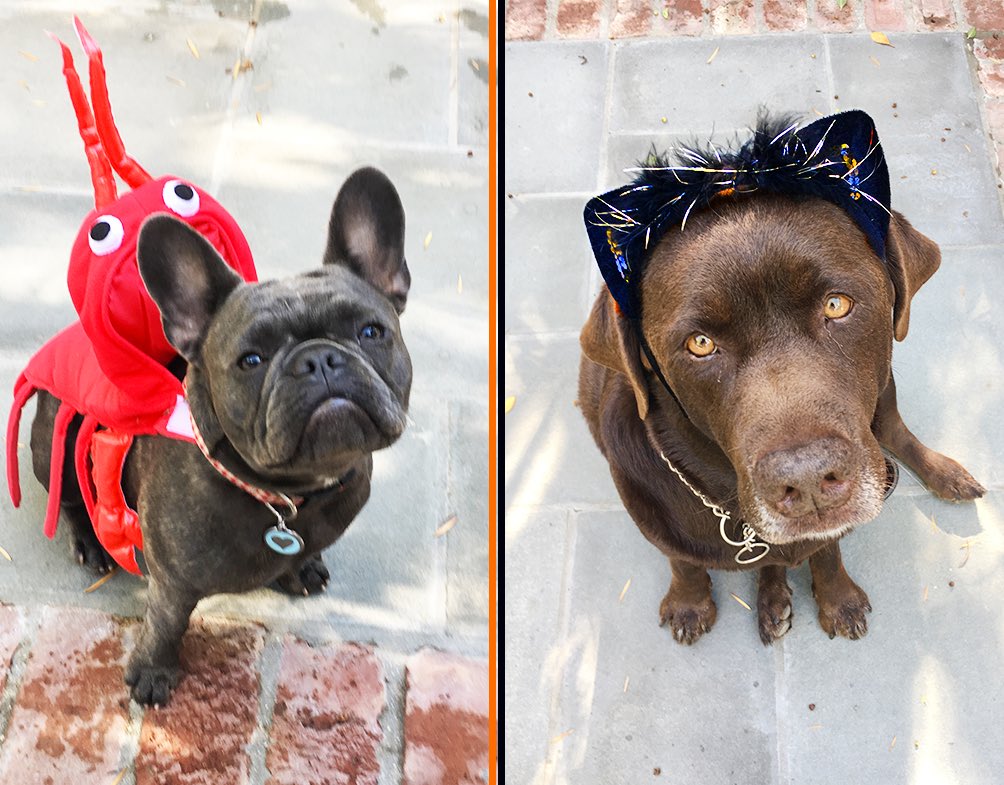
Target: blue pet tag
[(283, 541)]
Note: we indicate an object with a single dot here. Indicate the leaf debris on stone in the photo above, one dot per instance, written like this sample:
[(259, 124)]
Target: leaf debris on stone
[(562, 736), (101, 581), (967, 547), (446, 525)]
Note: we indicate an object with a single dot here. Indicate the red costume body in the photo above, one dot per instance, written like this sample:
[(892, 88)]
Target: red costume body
[(111, 366)]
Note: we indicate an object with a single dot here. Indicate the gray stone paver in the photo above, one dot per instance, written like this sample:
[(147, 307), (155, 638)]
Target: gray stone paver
[(164, 99), (391, 83), (922, 84), (654, 80), (549, 455), (336, 88), (535, 659), (467, 544), (545, 254), (554, 116), (918, 698), (621, 735)]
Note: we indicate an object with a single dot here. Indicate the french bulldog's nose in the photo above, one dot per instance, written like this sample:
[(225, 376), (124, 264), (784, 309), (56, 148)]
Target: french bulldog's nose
[(315, 359), (807, 478)]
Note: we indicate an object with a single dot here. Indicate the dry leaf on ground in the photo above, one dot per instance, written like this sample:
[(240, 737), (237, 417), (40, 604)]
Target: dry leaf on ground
[(448, 524), (101, 581)]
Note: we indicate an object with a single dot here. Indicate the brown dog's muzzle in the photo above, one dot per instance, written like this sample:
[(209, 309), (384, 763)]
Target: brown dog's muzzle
[(813, 477)]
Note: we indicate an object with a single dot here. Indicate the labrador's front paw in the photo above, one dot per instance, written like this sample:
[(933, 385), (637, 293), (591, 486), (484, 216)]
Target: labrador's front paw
[(688, 618), (843, 611), (950, 481)]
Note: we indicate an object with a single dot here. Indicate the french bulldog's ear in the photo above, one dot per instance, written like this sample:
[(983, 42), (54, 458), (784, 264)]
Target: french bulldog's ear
[(186, 278), (610, 339), (912, 259), (366, 234)]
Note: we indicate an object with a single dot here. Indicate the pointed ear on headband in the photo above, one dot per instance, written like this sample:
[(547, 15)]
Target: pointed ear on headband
[(837, 158)]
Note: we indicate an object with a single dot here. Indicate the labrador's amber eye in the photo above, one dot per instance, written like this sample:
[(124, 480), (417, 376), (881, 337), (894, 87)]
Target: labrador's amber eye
[(837, 306), (700, 345)]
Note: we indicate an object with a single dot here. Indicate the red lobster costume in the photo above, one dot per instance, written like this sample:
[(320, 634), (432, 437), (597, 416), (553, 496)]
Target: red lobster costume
[(111, 366)]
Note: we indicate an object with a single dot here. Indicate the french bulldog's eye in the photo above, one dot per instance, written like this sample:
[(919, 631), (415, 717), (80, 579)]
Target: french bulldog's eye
[(837, 306), (250, 360), (106, 235), (181, 198), (701, 345), (371, 331)]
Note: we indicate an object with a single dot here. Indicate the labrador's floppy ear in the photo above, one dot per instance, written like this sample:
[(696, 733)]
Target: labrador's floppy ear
[(912, 259), (610, 339)]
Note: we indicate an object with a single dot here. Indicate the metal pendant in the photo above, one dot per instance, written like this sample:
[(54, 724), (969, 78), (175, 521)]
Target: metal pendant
[(280, 538), (283, 541)]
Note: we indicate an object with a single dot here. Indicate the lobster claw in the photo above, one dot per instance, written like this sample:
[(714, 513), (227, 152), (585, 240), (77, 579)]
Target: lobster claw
[(116, 526)]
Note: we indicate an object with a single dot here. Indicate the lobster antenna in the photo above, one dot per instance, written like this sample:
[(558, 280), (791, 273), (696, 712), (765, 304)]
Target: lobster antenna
[(125, 165), (101, 173)]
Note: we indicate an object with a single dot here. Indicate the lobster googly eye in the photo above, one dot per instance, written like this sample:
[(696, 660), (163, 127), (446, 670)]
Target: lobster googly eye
[(105, 235), (181, 198)]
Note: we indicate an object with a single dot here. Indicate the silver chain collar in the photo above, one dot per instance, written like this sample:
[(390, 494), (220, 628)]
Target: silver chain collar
[(749, 547)]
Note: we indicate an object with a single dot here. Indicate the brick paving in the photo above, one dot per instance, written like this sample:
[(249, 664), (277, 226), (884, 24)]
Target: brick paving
[(446, 701), (69, 722), (66, 717), (326, 716)]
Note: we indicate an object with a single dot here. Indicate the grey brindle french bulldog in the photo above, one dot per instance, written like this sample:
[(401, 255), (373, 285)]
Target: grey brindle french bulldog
[(292, 383)]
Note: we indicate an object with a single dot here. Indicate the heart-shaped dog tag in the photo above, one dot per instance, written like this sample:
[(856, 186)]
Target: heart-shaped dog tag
[(285, 542)]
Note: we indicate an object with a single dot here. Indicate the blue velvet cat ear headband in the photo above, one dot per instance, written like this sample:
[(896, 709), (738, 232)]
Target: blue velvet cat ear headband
[(837, 158)]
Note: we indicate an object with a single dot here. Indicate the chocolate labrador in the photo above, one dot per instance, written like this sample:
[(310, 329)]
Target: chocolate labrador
[(744, 410)]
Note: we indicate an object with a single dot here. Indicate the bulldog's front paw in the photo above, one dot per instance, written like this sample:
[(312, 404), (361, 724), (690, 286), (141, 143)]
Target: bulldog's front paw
[(88, 552), (151, 685), (688, 618), (311, 578)]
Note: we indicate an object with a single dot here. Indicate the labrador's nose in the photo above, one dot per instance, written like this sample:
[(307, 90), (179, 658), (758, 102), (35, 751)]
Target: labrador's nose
[(812, 477)]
